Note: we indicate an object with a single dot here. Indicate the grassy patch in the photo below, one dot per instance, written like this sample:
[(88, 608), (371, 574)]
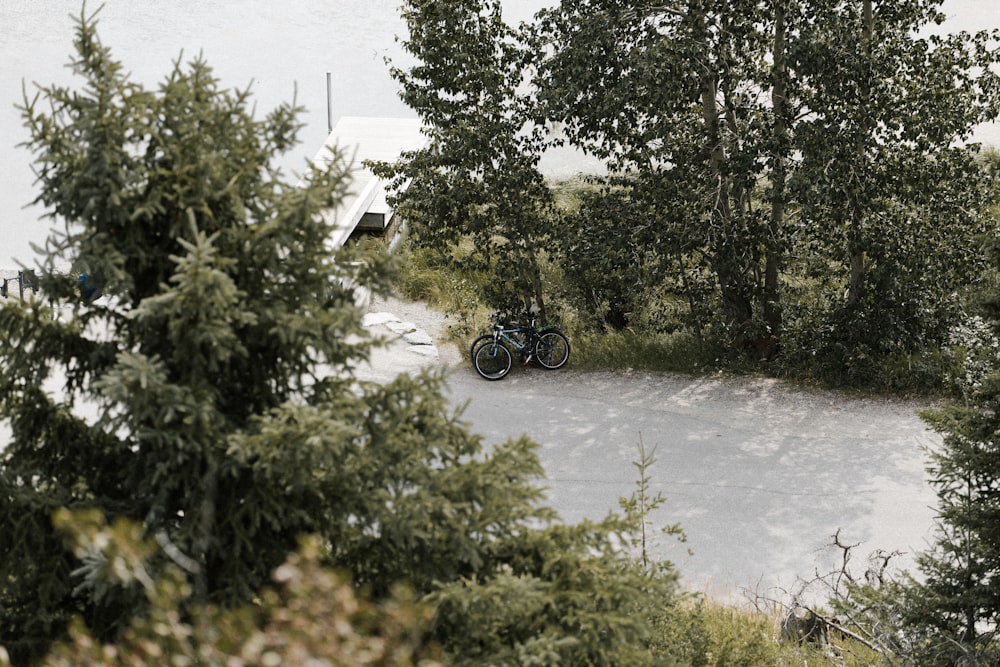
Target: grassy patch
[(425, 275), (712, 634), (678, 352)]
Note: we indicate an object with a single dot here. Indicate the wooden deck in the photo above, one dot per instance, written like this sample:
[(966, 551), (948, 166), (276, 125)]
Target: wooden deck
[(362, 139)]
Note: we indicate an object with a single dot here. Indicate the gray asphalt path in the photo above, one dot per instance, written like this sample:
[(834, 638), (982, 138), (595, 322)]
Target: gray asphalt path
[(759, 476)]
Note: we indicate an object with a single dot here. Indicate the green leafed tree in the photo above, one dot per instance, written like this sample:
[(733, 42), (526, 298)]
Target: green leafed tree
[(478, 178), (189, 372), (885, 195), (784, 143), (673, 96)]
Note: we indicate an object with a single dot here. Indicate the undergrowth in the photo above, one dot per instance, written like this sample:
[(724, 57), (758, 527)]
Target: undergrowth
[(705, 633), (444, 284)]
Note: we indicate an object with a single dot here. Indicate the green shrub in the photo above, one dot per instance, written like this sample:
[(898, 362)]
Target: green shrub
[(630, 350), (667, 334)]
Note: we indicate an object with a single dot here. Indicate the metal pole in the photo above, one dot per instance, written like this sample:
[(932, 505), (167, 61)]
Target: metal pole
[(329, 104)]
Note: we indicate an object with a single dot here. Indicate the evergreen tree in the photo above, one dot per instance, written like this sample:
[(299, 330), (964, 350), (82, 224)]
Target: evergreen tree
[(199, 386), (222, 329), (955, 608)]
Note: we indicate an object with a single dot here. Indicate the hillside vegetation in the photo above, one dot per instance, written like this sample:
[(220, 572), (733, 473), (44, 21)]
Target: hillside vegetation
[(194, 474)]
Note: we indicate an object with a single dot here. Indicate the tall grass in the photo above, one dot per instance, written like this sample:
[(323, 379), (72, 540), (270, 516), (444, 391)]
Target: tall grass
[(424, 275), (704, 633), (678, 352)]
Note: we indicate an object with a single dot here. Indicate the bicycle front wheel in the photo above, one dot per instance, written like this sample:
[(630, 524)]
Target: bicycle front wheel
[(552, 349), (492, 360)]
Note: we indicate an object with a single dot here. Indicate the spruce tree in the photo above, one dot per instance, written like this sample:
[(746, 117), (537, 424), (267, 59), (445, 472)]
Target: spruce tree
[(192, 314), (955, 608), (189, 371)]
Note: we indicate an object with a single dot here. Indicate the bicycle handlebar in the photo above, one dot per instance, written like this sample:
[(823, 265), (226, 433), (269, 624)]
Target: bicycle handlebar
[(500, 319)]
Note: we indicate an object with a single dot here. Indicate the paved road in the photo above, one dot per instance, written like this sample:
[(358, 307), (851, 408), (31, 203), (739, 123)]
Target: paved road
[(759, 477)]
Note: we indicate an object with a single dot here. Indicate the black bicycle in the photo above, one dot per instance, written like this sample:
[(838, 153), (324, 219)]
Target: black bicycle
[(492, 354)]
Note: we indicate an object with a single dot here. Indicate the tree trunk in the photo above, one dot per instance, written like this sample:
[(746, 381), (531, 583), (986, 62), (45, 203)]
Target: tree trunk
[(529, 278), (736, 304), (206, 528), (772, 254), (536, 279), (856, 243)]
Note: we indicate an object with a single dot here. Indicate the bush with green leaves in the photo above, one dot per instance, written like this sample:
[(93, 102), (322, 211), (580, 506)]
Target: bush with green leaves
[(307, 615)]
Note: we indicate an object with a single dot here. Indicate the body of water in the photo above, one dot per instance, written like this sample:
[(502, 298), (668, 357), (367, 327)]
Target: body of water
[(283, 49)]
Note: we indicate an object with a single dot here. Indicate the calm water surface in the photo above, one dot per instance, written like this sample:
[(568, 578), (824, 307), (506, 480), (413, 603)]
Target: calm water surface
[(283, 49)]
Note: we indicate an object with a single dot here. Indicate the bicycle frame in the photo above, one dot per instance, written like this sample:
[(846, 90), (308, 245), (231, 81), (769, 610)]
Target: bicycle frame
[(501, 332)]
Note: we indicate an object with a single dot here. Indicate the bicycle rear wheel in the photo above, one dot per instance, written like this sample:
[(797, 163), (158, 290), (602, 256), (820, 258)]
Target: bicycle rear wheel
[(492, 360), (552, 349)]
